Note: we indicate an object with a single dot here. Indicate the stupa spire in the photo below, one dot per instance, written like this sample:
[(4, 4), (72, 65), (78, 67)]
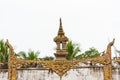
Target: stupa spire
[(60, 31), (60, 22), (61, 40)]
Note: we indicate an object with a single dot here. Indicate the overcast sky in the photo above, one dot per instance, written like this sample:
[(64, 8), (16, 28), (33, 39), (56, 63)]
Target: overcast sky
[(32, 24)]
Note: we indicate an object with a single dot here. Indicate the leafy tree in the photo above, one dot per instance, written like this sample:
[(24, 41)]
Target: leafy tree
[(92, 52), (3, 52), (72, 50), (80, 56), (31, 55)]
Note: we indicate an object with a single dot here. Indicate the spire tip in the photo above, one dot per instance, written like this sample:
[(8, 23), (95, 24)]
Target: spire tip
[(60, 22)]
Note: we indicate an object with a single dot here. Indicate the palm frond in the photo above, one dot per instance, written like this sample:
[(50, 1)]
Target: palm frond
[(3, 51), (22, 54), (72, 50)]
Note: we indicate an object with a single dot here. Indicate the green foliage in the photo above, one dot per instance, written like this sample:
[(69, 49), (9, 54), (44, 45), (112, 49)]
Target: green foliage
[(48, 58), (80, 56), (92, 52), (31, 55), (3, 52), (72, 50), (22, 54)]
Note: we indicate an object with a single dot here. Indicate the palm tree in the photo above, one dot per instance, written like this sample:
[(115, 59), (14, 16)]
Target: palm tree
[(22, 54), (72, 50), (3, 52), (31, 55)]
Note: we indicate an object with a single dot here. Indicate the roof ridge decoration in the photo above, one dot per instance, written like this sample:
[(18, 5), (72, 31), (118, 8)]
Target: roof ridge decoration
[(60, 66)]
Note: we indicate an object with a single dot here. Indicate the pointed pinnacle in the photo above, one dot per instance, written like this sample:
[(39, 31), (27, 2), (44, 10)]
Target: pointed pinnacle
[(60, 22), (60, 31)]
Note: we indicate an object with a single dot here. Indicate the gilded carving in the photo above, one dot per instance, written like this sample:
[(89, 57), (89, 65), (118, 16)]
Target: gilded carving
[(60, 66)]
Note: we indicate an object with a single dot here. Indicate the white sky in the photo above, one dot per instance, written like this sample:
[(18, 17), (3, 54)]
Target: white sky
[(32, 24)]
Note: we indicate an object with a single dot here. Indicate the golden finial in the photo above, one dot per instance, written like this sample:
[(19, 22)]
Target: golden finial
[(60, 22), (60, 31)]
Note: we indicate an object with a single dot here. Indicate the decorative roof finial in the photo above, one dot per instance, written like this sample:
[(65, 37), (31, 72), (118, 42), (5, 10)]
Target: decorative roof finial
[(61, 40), (60, 22), (60, 31)]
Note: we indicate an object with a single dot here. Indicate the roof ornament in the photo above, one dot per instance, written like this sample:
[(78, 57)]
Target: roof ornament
[(61, 40)]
